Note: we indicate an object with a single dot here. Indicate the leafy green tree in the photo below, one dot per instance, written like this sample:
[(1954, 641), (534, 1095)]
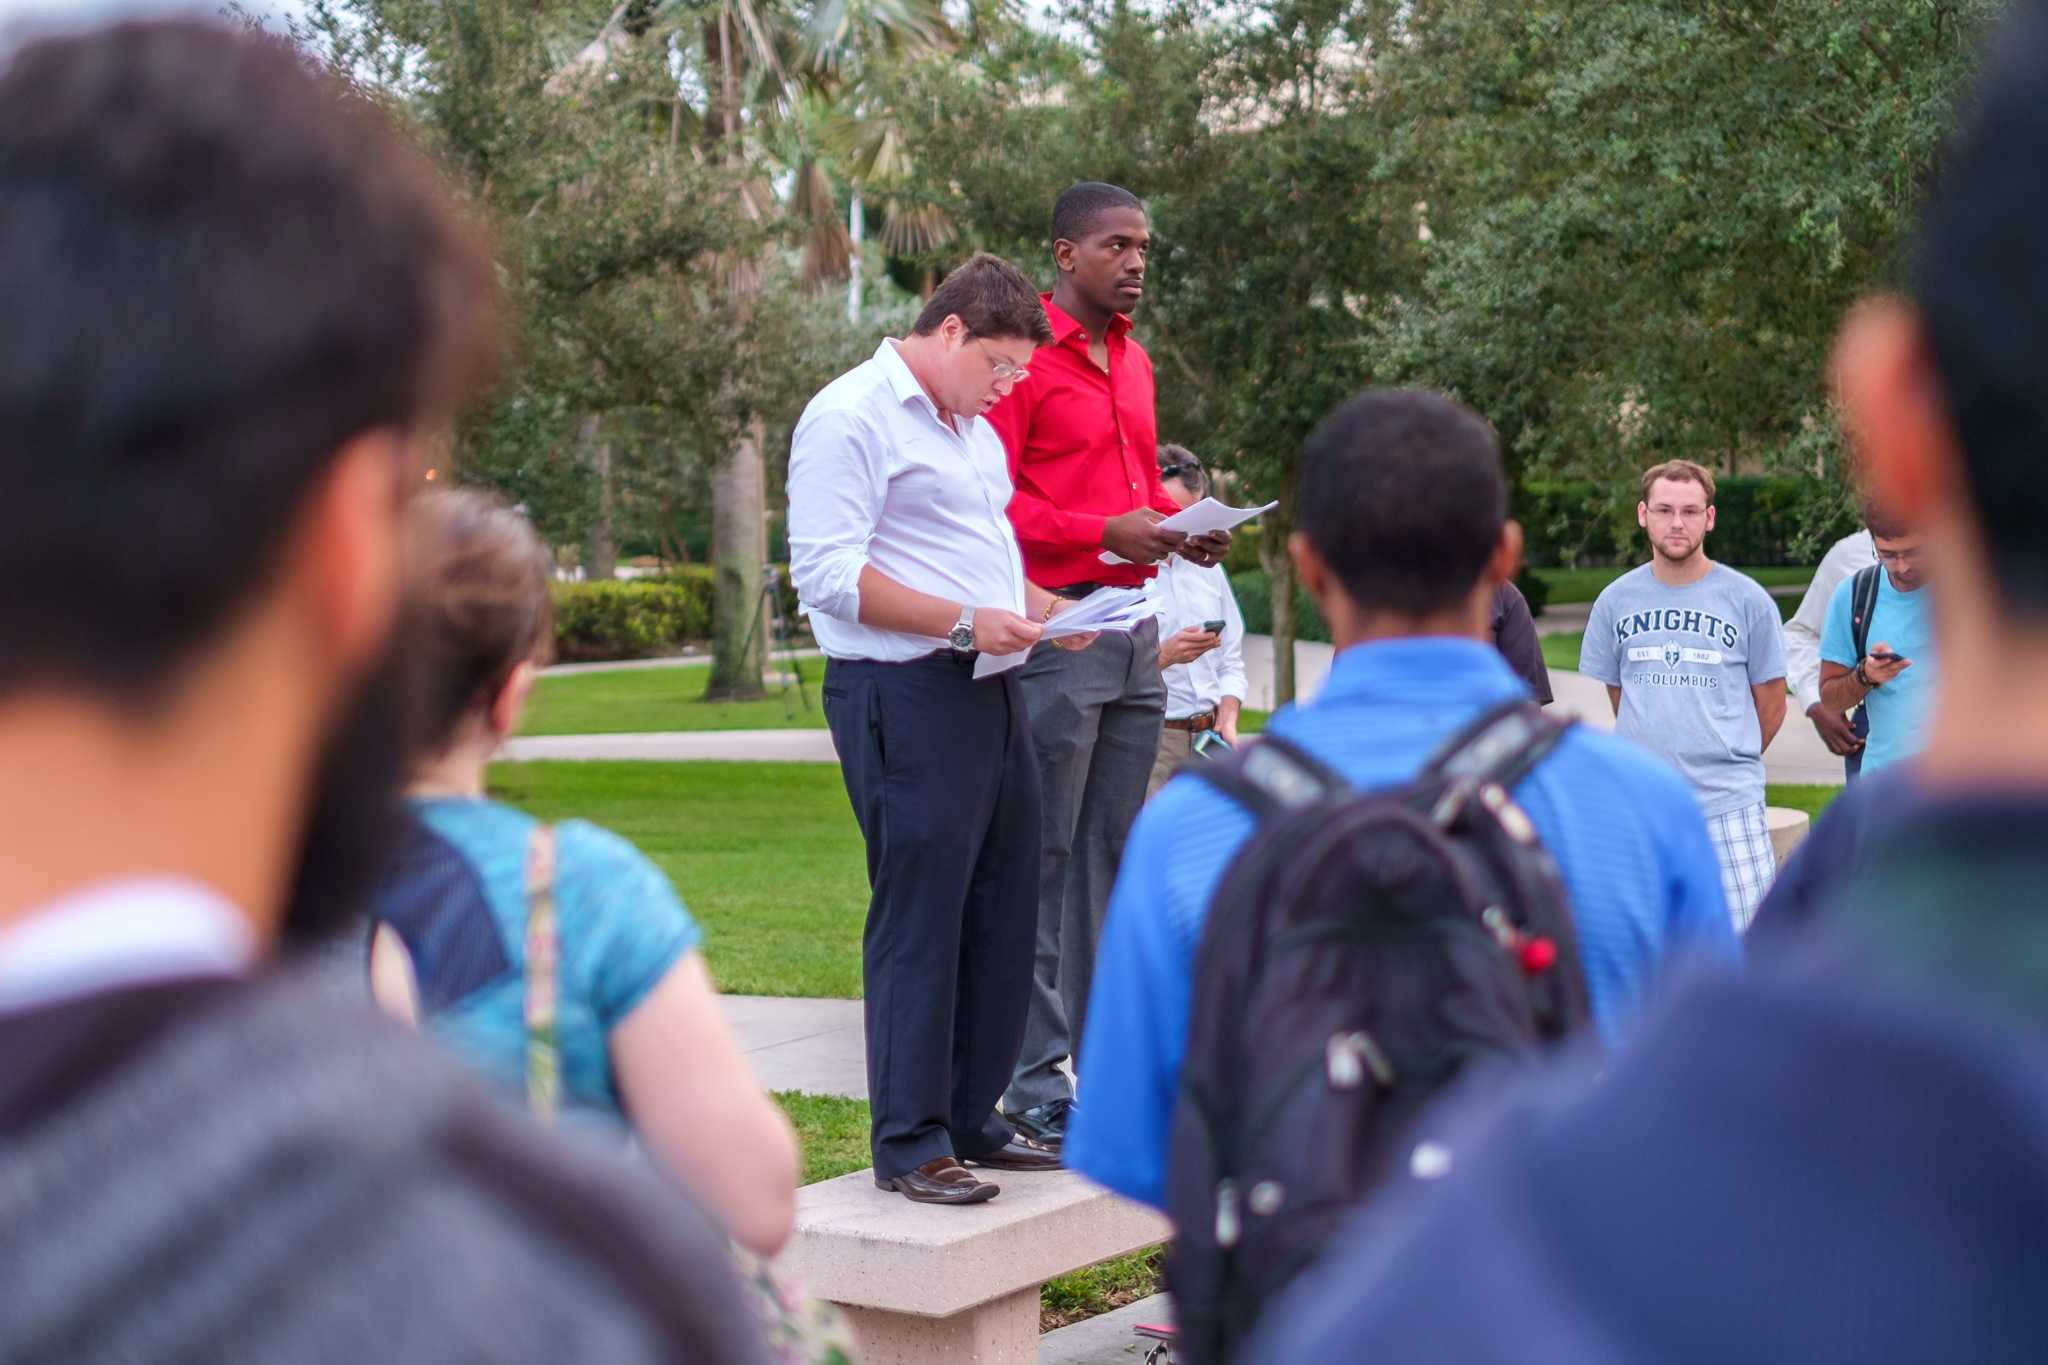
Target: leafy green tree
[(1649, 215)]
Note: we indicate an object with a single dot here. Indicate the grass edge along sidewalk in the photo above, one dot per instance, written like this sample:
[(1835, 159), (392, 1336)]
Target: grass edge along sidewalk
[(766, 855), (832, 1135)]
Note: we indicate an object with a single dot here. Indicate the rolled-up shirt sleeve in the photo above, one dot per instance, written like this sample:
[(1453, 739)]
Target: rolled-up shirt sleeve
[(838, 479), (1230, 654)]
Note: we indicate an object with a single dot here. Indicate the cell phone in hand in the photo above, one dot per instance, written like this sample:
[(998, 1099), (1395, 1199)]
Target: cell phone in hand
[(1209, 744), (1885, 656), (1213, 627)]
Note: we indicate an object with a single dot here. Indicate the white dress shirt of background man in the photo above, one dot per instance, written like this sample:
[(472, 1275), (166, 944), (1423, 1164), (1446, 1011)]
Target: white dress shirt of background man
[(1844, 734), (1203, 668)]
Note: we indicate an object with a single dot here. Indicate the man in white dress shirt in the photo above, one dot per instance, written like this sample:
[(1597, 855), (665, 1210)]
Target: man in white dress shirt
[(1203, 669), (904, 556), (1843, 734)]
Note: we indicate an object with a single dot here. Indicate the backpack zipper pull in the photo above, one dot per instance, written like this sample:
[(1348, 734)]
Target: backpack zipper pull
[(1228, 1224), (1348, 1056)]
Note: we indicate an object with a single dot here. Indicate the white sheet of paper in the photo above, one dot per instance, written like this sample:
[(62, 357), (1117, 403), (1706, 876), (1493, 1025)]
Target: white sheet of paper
[(1105, 609), (1199, 520)]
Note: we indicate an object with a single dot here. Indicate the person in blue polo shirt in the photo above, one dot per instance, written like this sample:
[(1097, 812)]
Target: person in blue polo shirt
[(1404, 535)]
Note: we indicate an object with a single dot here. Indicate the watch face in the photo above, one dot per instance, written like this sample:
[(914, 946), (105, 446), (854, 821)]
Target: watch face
[(962, 637)]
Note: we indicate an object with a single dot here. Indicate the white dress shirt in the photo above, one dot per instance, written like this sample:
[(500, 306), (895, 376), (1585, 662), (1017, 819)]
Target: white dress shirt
[(1802, 633), (876, 477), (1185, 595), (120, 933)]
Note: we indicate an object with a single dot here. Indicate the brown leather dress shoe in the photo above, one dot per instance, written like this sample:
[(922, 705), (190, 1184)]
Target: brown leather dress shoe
[(1022, 1154), (942, 1180)]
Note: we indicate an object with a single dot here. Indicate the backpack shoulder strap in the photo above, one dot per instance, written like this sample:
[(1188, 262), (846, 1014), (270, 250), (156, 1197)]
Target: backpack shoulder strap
[(543, 975), (1497, 749), (1862, 606), (1273, 778)]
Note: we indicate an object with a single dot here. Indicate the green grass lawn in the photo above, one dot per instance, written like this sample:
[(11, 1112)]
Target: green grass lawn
[(1562, 650), (1583, 585), (633, 700), (1811, 799), (766, 855)]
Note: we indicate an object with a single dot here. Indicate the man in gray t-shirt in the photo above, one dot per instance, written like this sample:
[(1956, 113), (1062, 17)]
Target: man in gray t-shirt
[(1694, 664)]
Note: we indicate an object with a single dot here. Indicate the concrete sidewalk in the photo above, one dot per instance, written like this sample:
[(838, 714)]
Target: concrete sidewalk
[(744, 746)]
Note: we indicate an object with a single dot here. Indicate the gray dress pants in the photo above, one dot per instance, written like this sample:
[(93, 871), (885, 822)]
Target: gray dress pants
[(1096, 715)]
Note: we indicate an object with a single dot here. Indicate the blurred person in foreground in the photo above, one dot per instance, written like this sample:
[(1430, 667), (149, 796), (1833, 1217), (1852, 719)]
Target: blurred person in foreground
[(486, 906), (1839, 1155), (236, 305)]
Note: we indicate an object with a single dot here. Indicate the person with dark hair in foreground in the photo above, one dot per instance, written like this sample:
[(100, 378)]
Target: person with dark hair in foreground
[(1402, 509), (237, 306), (1083, 443), (1836, 1156), (910, 571)]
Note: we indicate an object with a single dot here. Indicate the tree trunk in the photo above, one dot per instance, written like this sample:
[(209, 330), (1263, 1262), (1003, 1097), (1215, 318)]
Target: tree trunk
[(1279, 566), (600, 552), (739, 548), (856, 229)]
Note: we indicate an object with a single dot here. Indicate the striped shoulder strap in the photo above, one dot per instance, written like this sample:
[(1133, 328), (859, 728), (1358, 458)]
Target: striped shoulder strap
[(543, 1049)]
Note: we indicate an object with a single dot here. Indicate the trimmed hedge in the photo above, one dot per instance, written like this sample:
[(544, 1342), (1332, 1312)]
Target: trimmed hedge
[(1757, 520), (637, 618), (1254, 591)]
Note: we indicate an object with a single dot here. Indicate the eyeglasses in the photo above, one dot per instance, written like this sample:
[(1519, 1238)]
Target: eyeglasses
[(1190, 471), (1002, 369), (1904, 559)]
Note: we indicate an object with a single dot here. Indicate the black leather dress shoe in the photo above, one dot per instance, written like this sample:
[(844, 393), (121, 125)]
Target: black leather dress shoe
[(942, 1180), (1022, 1154), (1044, 1123)]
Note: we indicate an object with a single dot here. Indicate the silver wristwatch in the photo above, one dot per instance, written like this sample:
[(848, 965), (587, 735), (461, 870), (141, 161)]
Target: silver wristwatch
[(962, 636)]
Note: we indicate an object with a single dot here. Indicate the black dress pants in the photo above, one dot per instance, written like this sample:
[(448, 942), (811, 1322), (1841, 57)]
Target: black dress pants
[(944, 782)]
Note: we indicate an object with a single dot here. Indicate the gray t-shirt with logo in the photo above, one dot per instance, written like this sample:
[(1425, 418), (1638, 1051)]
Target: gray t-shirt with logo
[(1685, 659)]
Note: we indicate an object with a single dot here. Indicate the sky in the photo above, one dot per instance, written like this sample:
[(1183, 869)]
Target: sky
[(36, 14)]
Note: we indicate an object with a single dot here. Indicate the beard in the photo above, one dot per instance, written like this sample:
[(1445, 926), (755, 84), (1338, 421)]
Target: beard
[(356, 814)]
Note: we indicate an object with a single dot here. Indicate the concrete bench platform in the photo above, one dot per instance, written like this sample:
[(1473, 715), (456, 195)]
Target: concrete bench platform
[(1787, 828), (925, 1284)]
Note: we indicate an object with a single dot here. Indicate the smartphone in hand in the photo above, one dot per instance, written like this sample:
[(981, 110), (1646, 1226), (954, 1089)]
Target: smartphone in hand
[(1885, 656), (1213, 627)]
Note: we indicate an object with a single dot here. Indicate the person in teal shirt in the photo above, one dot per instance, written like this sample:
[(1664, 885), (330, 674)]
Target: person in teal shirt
[(1894, 678), (608, 980)]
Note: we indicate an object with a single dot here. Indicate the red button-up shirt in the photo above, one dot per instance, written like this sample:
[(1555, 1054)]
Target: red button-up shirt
[(1084, 447)]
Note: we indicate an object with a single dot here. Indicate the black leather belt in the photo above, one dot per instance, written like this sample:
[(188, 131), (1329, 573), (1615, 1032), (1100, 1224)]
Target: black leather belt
[(1074, 592)]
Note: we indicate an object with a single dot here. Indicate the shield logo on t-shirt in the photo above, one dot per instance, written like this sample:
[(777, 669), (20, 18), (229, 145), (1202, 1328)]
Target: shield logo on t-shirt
[(1671, 654)]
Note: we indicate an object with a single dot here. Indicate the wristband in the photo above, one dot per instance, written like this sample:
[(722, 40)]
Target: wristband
[(1865, 680)]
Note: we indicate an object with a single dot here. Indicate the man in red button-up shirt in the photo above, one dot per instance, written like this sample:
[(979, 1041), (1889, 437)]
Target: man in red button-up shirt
[(1083, 441)]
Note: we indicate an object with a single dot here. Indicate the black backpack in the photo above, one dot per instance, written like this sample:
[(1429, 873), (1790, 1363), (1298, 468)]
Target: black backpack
[(1359, 952)]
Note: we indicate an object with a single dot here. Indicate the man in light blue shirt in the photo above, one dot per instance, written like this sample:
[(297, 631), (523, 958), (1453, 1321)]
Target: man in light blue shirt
[(1893, 676), (1404, 534)]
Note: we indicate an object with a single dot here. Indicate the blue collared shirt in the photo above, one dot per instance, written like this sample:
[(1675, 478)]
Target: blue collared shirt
[(1624, 828)]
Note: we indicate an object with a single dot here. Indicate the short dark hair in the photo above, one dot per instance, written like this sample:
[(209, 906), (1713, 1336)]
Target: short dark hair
[(1979, 274), (1402, 494), (219, 266), (478, 604), (1075, 212), (1185, 462), (1880, 522), (994, 299)]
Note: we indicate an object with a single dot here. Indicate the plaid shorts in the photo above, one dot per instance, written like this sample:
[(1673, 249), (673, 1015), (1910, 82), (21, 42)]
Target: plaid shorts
[(1743, 843)]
